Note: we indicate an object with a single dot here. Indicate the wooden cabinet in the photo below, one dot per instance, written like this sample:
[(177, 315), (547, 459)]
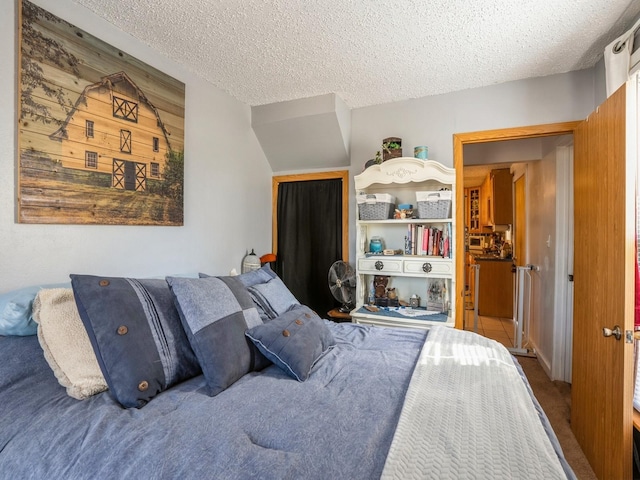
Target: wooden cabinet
[(409, 270), (486, 212), (495, 293), (472, 209), (496, 198), (502, 196)]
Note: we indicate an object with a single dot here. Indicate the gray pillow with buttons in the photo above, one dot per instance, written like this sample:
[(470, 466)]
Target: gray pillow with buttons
[(136, 334)]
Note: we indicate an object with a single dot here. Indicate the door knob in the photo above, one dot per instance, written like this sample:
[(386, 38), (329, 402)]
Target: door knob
[(616, 332), (379, 265)]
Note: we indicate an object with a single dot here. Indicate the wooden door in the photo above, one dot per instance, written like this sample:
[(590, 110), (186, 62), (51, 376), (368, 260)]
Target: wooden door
[(602, 383), (129, 175)]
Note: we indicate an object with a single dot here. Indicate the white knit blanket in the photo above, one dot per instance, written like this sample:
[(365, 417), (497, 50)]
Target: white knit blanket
[(468, 414)]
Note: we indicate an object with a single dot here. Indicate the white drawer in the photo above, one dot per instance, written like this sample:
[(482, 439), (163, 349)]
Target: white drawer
[(432, 266), (384, 265)]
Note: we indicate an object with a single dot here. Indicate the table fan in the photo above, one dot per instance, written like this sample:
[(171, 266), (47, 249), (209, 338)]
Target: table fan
[(342, 283)]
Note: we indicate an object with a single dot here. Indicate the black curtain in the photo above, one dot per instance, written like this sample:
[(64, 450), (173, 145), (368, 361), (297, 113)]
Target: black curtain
[(309, 239)]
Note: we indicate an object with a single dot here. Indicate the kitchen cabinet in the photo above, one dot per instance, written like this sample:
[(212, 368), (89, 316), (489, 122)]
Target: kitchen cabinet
[(472, 209), (495, 293), (486, 211), (497, 198), (502, 196), (408, 271)]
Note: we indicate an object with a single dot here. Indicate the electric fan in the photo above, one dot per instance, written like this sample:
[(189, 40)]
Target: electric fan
[(342, 283)]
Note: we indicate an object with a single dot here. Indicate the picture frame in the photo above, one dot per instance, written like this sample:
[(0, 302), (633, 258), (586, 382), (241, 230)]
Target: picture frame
[(101, 133), (437, 298)]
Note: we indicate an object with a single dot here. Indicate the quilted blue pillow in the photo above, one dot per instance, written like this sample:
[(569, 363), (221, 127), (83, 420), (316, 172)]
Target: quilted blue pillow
[(136, 334), (254, 277), (273, 298), (215, 313), (268, 291), (294, 341)]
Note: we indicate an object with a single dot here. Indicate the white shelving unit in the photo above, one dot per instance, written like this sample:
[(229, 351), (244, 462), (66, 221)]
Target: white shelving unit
[(408, 274)]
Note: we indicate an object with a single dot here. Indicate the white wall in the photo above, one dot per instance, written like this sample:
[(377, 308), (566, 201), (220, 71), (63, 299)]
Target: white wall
[(542, 253), (227, 184)]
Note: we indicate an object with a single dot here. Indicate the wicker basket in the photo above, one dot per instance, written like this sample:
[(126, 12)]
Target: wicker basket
[(377, 206), (434, 204)]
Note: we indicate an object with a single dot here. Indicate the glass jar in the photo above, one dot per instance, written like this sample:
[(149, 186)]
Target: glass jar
[(375, 245)]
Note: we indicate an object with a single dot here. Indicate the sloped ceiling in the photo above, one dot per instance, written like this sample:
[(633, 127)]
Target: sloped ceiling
[(304, 134)]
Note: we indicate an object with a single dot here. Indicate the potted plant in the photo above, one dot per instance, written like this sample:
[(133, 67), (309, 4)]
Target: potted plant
[(391, 148)]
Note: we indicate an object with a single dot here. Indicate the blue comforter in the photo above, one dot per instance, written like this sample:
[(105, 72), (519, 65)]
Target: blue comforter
[(337, 424)]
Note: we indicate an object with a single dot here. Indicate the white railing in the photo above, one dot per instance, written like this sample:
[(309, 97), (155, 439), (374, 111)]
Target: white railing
[(522, 309)]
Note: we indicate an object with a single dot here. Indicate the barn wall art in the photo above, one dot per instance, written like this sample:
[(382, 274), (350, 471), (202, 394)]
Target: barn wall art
[(101, 134)]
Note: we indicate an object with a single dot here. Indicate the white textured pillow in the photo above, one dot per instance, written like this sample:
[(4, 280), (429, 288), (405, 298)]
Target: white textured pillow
[(65, 343)]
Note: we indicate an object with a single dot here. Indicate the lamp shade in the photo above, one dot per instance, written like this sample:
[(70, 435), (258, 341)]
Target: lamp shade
[(250, 262)]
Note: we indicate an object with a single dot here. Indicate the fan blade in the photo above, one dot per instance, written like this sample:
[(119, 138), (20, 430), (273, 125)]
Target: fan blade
[(333, 276), (349, 282), (339, 294)]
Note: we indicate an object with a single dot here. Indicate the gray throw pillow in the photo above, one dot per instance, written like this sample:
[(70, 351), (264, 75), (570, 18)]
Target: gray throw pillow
[(273, 298), (294, 341), (268, 291), (136, 334), (215, 313)]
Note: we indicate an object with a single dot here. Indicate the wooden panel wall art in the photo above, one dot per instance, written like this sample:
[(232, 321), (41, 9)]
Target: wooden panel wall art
[(100, 135)]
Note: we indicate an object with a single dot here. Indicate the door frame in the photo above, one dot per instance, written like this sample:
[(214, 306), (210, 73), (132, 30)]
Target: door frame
[(485, 136), (303, 177)]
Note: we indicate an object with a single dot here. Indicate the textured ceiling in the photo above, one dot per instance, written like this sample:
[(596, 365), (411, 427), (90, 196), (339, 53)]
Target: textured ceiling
[(370, 51)]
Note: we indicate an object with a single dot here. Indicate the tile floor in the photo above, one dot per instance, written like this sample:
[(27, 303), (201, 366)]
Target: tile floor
[(499, 329)]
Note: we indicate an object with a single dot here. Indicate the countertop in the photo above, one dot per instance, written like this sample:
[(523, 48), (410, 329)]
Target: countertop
[(491, 258)]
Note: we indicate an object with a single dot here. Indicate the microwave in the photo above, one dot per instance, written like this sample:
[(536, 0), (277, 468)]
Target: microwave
[(476, 243)]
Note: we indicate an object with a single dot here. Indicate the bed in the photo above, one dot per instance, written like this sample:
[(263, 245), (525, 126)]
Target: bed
[(367, 402)]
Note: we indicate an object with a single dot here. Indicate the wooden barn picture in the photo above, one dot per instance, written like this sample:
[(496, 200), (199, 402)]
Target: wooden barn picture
[(101, 134)]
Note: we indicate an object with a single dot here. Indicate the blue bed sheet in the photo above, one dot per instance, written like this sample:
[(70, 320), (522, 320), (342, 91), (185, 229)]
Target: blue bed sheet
[(337, 424)]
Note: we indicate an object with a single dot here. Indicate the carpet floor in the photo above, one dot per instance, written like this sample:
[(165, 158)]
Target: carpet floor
[(555, 399)]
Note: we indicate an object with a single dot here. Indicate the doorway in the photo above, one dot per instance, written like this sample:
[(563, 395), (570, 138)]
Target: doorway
[(310, 232), (534, 132)]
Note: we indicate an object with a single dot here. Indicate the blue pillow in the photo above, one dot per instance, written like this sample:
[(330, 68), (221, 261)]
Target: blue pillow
[(268, 291), (294, 341), (15, 310), (273, 298), (215, 313), (136, 334), (254, 277), (250, 278)]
